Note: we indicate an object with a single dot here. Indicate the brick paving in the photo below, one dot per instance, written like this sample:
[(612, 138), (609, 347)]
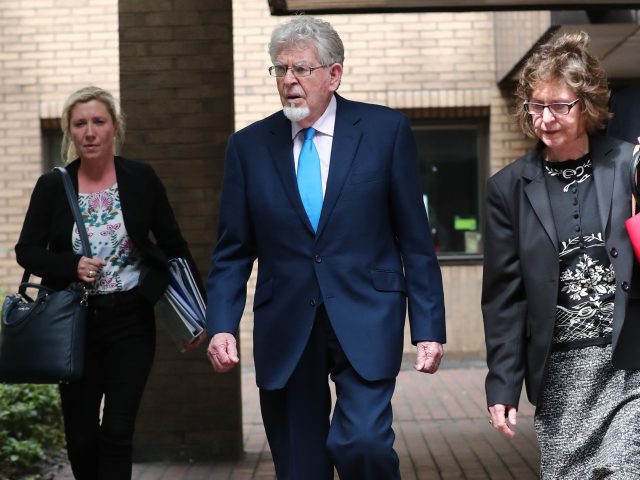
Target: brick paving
[(442, 433)]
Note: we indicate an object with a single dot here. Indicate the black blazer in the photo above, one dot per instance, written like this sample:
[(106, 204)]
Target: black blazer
[(44, 247), (521, 269)]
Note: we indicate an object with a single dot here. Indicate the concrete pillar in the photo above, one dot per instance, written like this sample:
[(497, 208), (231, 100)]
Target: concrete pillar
[(176, 86)]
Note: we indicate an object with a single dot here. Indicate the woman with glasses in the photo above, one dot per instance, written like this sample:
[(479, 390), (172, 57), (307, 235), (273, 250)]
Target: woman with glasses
[(561, 312)]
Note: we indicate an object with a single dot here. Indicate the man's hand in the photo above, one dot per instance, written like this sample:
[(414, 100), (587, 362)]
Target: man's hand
[(222, 352), (499, 416), (637, 147), (428, 357), (88, 269)]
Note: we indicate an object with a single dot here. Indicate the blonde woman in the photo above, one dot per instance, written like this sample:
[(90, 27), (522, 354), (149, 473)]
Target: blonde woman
[(122, 203)]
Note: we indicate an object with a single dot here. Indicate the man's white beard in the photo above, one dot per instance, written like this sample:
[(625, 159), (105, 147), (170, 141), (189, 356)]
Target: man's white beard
[(296, 114)]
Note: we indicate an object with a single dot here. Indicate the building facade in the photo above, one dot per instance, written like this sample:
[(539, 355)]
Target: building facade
[(440, 69), (48, 49)]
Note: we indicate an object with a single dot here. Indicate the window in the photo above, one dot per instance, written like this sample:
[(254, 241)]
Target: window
[(51, 142), (452, 153)]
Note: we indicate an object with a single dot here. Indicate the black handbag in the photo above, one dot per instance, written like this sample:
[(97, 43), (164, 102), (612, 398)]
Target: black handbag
[(42, 340)]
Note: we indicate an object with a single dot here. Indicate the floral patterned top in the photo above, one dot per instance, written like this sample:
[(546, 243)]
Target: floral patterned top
[(102, 215), (584, 312)]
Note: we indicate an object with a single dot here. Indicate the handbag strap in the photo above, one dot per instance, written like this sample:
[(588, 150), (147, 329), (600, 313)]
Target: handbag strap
[(75, 209), (633, 178), (77, 216)]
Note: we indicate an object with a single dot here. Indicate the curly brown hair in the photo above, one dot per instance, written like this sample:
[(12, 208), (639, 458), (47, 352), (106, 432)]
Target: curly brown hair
[(566, 57)]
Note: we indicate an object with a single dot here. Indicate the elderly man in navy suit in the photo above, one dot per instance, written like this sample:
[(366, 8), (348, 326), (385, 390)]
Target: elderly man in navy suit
[(326, 195)]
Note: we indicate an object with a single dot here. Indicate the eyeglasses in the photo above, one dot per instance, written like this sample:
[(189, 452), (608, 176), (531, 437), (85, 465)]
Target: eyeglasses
[(555, 108), (297, 70)]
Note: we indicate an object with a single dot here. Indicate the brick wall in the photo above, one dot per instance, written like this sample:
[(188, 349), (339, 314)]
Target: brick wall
[(48, 49), (516, 33), (177, 88), (399, 60), (410, 60)]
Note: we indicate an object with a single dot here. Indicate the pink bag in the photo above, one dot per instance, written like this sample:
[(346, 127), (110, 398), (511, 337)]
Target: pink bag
[(633, 223)]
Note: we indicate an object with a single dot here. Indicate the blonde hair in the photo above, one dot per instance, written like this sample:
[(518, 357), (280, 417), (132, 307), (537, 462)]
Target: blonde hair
[(84, 95), (566, 58)]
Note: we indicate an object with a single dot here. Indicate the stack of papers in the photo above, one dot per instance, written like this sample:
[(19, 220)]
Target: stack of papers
[(182, 309)]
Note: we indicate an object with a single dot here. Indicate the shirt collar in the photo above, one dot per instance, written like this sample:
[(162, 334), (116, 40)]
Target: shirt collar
[(325, 124)]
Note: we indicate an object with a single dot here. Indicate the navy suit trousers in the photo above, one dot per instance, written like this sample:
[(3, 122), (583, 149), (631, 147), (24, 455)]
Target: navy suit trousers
[(305, 442)]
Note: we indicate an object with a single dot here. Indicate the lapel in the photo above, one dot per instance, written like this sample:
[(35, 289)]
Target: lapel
[(124, 190), (345, 143), (604, 168), (346, 137), (536, 191), (72, 168)]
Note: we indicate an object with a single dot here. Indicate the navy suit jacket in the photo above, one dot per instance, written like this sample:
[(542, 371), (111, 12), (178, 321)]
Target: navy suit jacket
[(372, 251)]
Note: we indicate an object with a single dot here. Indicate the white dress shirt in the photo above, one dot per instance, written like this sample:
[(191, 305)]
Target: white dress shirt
[(323, 140)]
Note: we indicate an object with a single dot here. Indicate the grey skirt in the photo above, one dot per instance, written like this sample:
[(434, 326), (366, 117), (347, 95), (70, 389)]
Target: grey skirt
[(588, 422)]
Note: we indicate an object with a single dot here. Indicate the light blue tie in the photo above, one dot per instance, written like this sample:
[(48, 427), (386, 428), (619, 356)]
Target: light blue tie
[(310, 178)]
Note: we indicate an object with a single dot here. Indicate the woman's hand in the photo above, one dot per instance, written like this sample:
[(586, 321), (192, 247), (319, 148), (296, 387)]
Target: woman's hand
[(637, 147), (89, 268), (499, 416)]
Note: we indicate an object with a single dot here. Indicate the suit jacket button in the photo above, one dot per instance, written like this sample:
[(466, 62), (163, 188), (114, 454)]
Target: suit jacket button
[(625, 286), (312, 302), (613, 252), (317, 259)]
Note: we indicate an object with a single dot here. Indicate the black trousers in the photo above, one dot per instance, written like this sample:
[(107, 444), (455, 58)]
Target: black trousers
[(120, 350)]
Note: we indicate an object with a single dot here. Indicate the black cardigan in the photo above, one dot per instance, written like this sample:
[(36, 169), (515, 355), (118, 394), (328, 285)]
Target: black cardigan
[(44, 247)]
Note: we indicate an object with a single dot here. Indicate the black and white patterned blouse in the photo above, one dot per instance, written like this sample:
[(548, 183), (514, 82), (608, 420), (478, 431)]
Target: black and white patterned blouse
[(584, 312)]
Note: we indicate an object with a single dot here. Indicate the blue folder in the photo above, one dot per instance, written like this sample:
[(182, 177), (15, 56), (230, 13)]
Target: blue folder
[(181, 311)]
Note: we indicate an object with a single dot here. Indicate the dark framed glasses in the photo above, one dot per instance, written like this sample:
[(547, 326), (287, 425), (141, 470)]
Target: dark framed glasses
[(560, 108)]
